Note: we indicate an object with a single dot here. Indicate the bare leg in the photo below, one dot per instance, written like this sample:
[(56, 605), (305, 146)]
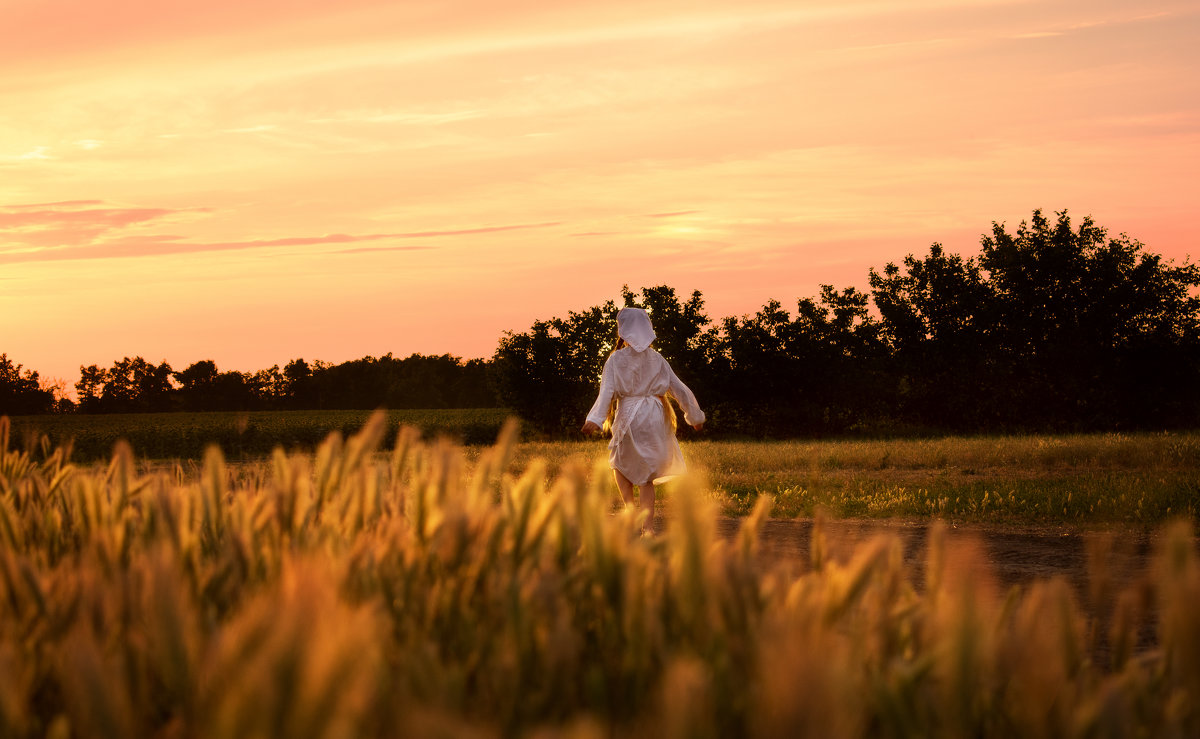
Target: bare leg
[(625, 486), (646, 494)]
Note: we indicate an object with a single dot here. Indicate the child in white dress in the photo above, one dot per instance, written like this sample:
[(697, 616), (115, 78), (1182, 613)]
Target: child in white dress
[(643, 449)]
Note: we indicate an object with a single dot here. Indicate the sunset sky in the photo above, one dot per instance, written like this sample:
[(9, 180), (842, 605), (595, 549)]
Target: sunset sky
[(256, 181)]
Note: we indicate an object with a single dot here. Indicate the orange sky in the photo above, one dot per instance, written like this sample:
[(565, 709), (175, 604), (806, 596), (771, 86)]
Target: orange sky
[(253, 182)]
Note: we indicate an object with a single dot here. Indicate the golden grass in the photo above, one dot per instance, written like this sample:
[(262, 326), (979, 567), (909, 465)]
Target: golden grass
[(349, 593)]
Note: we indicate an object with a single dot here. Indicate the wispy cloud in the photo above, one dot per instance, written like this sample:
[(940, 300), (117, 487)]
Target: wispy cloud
[(1066, 28), (70, 223), (468, 231), (374, 249), (671, 214), (66, 223), (66, 231), (154, 246), (57, 204), (103, 217)]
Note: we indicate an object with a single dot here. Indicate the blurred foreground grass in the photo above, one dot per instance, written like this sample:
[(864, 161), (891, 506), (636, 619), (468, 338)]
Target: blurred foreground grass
[(349, 593)]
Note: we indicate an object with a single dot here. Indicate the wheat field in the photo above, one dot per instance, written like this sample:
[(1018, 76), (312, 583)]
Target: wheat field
[(360, 592)]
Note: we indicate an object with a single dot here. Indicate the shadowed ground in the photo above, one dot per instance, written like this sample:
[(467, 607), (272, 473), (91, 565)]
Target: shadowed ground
[(1018, 555)]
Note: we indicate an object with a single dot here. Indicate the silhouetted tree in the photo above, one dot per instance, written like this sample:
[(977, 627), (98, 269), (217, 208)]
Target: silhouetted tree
[(297, 376), (197, 385), (89, 388), (1052, 327), (550, 373), (472, 387), (21, 393), (202, 387), (1096, 331), (270, 386), (547, 373), (847, 364), (131, 385), (758, 374), (936, 317), (820, 372)]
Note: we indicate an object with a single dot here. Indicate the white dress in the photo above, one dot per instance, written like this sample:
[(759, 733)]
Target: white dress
[(643, 446)]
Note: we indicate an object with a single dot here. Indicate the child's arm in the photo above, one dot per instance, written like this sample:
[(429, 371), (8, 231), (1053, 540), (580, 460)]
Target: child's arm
[(599, 411), (687, 401)]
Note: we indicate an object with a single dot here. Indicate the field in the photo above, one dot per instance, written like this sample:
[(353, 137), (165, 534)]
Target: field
[(1085, 479), (241, 435), (431, 591), (1081, 479)]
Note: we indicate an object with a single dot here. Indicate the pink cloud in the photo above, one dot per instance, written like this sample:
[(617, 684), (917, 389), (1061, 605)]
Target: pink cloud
[(54, 237), (468, 231), (57, 204), (66, 223), (373, 249), (152, 245), (100, 217)]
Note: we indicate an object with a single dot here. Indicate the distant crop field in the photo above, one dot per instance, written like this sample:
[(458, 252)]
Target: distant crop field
[(369, 591), (241, 435)]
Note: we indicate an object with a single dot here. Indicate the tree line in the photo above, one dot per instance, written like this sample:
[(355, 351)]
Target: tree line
[(1054, 327), (134, 385), (1050, 328)]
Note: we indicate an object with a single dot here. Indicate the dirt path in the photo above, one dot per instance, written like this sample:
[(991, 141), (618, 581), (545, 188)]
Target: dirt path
[(1016, 555)]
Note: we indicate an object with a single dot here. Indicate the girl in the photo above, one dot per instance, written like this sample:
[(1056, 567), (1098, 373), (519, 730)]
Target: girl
[(637, 380)]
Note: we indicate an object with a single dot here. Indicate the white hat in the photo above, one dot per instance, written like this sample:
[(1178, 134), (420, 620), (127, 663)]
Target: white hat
[(633, 325)]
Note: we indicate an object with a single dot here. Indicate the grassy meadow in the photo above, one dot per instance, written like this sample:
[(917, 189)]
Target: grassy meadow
[(1077, 479), (423, 590), (1140, 478)]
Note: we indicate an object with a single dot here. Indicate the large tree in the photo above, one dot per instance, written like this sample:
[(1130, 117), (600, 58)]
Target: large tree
[(936, 316), (1050, 327), (1097, 330)]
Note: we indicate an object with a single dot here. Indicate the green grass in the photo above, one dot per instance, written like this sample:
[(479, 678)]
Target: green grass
[(1076, 479), (1085, 478), (360, 592)]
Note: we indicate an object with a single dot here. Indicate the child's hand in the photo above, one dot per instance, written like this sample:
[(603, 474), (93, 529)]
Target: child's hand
[(590, 428)]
